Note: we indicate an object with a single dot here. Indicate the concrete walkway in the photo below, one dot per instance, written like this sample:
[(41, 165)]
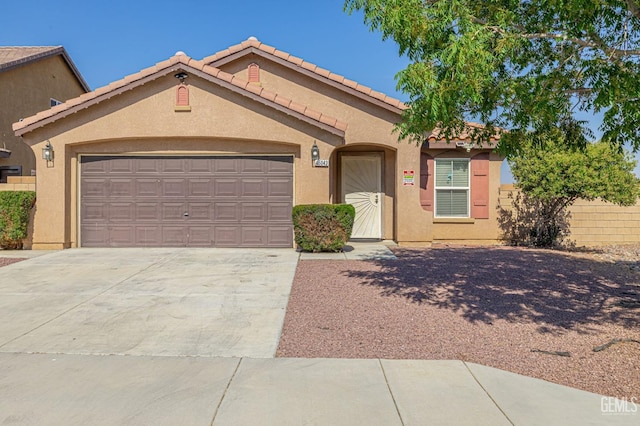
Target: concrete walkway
[(132, 390), (356, 250)]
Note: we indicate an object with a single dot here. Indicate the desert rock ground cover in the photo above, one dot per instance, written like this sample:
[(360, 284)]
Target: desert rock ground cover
[(520, 310), (4, 261)]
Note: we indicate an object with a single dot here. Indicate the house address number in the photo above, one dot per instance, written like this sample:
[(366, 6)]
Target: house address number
[(321, 163)]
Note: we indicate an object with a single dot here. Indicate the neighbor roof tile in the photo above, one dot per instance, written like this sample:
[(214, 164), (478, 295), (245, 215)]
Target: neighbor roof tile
[(15, 56)]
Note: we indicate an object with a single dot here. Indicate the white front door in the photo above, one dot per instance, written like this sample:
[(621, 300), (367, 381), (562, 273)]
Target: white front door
[(361, 187)]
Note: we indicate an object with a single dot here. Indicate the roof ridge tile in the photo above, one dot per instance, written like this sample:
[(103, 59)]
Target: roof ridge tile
[(252, 42)]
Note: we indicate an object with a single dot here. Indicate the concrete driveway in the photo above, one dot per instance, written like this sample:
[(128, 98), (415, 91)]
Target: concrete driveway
[(162, 302)]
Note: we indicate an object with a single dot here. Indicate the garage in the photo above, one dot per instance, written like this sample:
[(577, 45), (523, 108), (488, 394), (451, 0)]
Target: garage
[(186, 201)]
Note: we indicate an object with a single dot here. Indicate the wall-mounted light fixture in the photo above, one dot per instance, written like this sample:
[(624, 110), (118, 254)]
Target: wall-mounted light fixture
[(315, 153), (181, 76), (47, 152), (466, 145)]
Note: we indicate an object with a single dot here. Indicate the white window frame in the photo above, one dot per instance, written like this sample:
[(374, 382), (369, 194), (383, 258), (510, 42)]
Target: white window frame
[(451, 188)]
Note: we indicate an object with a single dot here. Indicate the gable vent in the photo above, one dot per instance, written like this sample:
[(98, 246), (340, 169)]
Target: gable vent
[(254, 73), (182, 95)]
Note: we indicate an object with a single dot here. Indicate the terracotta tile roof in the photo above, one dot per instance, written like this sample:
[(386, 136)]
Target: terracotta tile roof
[(254, 45), (15, 56), (171, 65)]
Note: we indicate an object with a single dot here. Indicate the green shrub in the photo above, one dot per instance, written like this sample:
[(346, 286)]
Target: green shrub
[(323, 227), (15, 209)]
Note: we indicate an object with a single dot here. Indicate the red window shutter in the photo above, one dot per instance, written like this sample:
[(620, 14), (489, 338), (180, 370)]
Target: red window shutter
[(427, 187), (253, 73), (480, 186), (182, 95)]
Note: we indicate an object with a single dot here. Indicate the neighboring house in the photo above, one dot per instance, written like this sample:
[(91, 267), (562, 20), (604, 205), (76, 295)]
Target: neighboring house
[(215, 152), (32, 79)]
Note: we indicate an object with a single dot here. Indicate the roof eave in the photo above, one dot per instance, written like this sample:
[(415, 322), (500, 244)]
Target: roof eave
[(307, 72), (174, 65)]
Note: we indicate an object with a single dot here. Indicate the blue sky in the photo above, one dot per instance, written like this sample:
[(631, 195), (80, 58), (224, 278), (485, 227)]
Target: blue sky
[(110, 39)]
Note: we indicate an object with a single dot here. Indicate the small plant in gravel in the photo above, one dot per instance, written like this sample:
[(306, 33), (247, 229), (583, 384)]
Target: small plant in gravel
[(15, 208), (323, 227)]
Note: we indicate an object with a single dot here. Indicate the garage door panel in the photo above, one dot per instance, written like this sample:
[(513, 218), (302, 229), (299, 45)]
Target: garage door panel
[(147, 187), (94, 211), (228, 211), (252, 165), (227, 236), (95, 165), (147, 165), (280, 187), (280, 165), (253, 236), (173, 211), (200, 236), (121, 165), (278, 236), (226, 187), (148, 235), (225, 165), (174, 236), (148, 212), (94, 187), (122, 187), (94, 235), (200, 187), (174, 187), (253, 212), (173, 165), (121, 212), (199, 211), (200, 165), (121, 235), (279, 212), (253, 187), (233, 201)]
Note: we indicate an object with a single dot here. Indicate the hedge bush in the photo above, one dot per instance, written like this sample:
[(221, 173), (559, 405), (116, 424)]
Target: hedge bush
[(15, 209), (323, 227)]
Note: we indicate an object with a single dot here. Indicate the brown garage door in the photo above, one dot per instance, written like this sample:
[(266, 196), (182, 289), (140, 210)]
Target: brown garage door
[(231, 201)]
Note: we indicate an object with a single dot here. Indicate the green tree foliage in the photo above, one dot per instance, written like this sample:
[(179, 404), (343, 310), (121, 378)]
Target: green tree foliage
[(552, 174), (529, 65)]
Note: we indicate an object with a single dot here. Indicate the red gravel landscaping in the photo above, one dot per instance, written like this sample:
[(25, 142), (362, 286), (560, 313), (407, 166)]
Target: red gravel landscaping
[(4, 261), (509, 308)]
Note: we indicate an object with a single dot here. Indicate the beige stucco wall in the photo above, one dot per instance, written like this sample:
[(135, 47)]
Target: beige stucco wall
[(371, 128), (596, 223), (471, 231), (26, 90)]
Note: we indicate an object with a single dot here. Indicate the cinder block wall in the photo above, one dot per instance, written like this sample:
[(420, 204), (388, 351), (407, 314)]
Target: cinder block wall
[(19, 183), (595, 223)]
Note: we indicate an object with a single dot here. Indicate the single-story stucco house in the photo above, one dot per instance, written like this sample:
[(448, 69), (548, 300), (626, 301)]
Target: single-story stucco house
[(32, 78), (215, 153)]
